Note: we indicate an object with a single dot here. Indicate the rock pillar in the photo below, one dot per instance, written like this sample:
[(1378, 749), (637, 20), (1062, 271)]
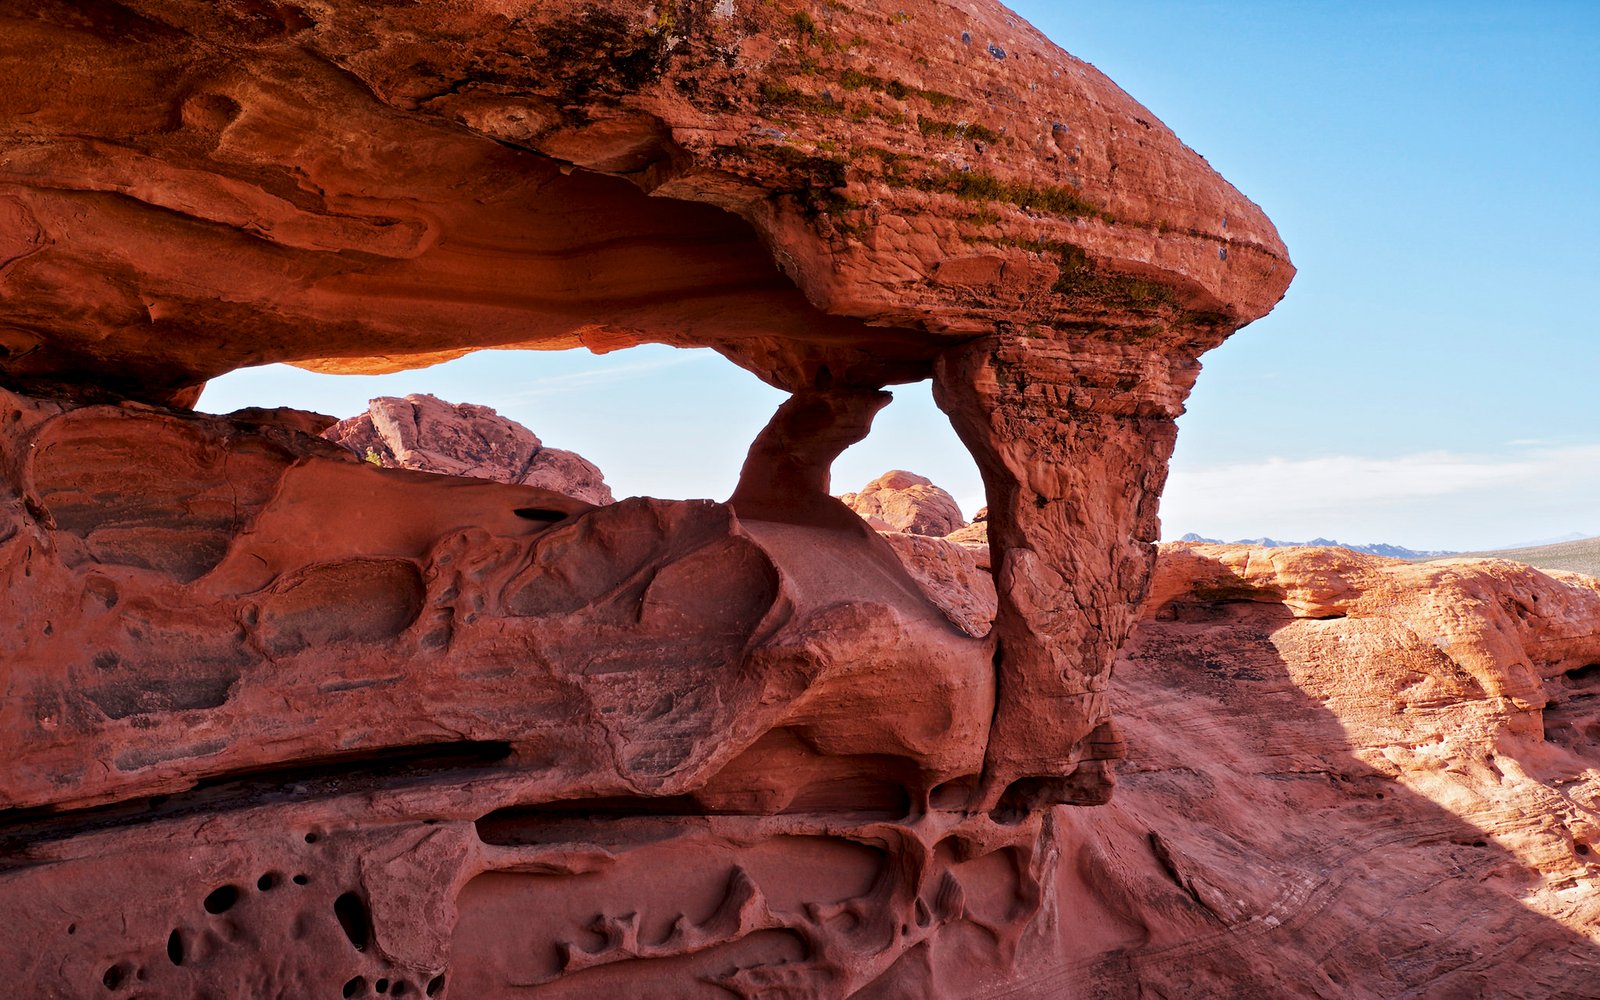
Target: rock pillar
[(1072, 439)]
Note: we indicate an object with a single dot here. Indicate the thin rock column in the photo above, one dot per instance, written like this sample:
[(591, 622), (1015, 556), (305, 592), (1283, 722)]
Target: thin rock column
[(1072, 439)]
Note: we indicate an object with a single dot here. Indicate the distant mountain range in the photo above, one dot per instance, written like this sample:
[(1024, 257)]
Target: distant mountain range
[(1576, 552), (1380, 549)]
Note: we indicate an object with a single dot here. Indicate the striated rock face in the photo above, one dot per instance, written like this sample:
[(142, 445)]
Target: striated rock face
[(423, 734), (905, 501), (1345, 776), (427, 434), (1350, 776)]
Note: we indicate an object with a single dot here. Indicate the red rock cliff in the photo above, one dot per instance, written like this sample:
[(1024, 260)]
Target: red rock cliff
[(390, 715)]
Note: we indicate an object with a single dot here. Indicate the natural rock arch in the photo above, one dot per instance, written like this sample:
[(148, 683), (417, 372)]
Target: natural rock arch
[(838, 199)]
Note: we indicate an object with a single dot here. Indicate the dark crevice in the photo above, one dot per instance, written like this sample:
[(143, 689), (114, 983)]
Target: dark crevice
[(510, 826), (1024, 798), (954, 794), (997, 665), (540, 514), (519, 825), (175, 947), (1169, 864), (221, 899), (23, 830), (354, 919), (1584, 674)]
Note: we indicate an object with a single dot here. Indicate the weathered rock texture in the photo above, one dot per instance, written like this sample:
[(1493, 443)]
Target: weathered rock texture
[(416, 733), (844, 198), (976, 533), (387, 711), (1352, 777), (905, 501), (955, 577), (1346, 777), (916, 518), (427, 434)]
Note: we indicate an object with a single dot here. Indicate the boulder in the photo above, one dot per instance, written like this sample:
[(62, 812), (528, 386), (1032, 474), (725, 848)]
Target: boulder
[(904, 501), (425, 433)]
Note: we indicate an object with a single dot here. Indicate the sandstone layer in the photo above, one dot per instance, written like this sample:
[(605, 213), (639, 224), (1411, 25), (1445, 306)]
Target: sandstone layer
[(418, 733), (1346, 776), (1357, 778)]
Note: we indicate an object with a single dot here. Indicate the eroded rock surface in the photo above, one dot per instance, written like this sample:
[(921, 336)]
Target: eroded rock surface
[(386, 711), (905, 501), (958, 578), (836, 197), (976, 533), (1356, 777), (427, 734), (364, 186), (427, 434), (1345, 776), (955, 577)]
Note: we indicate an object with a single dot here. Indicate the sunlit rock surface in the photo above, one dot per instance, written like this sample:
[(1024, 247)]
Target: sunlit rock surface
[(905, 501), (330, 727), (427, 434), (1346, 776), (1358, 777)]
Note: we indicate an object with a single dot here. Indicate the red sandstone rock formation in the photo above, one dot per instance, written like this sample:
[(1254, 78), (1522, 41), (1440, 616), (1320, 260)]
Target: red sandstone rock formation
[(844, 198), (390, 711), (427, 434), (1345, 776), (976, 533), (419, 734), (1350, 776), (905, 501)]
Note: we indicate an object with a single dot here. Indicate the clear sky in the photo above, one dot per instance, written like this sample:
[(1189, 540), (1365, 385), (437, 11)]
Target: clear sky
[(1429, 381)]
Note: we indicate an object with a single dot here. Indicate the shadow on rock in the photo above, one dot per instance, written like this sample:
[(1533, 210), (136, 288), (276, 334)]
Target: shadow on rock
[(1331, 789)]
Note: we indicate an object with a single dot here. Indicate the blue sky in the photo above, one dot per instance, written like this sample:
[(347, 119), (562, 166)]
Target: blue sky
[(1430, 380)]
